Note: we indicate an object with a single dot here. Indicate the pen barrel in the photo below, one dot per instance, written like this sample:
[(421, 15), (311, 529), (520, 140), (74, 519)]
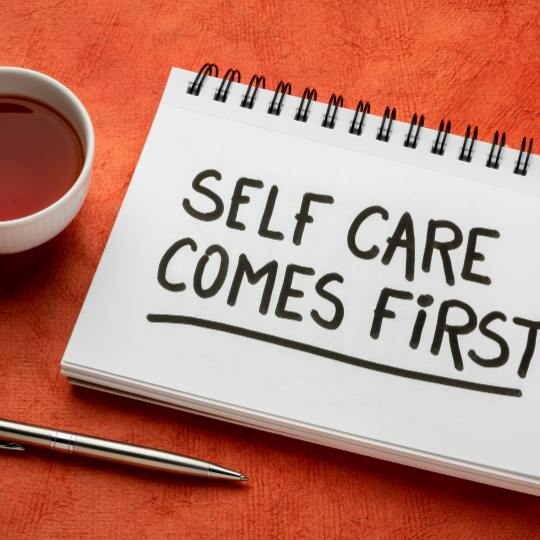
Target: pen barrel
[(26, 434), (116, 452), (138, 456)]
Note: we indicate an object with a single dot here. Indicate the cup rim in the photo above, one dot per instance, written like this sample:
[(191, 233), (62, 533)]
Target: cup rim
[(87, 160)]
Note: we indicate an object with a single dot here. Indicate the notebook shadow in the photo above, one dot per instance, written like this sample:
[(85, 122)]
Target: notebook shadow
[(372, 475)]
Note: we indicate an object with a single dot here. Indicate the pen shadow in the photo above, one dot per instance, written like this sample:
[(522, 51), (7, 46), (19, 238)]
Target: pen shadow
[(94, 403), (117, 472)]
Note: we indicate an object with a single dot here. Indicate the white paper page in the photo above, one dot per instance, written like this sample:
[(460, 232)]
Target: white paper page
[(262, 363)]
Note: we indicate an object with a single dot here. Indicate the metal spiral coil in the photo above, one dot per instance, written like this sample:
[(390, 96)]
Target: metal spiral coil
[(284, 89), (195, 88), (336, 102), (248, 101), (522, 169), (494, 163), (438, 147), (302, 113), (223, 91), (466, 154), (360, 108), (384, 131), (357, 124), (413, 142)]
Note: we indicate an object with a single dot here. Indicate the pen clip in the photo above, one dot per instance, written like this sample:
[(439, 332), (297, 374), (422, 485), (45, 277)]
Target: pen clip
[(7, 445)]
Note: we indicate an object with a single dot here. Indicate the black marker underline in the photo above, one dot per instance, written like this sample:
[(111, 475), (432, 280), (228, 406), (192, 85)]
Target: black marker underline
[(290, 344)]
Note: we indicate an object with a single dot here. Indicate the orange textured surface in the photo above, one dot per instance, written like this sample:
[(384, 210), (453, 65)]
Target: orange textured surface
[(473, 62)]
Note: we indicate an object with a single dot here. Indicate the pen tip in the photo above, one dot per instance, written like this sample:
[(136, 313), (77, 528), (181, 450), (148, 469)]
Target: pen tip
[(244, 478)]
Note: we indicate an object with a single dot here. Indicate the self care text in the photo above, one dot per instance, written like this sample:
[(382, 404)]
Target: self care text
[(402, 237)]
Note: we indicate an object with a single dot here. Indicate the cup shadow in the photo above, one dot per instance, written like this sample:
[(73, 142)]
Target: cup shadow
[(32, 269)]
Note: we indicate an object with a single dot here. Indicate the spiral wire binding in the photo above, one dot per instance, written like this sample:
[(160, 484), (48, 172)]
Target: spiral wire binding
[(384, 132), (466, 155), (336, 102), (438, 148), (221, 94), (283, 88), (360, 108), (522, 170), (495, 164), (194, 89), (302, 114), (248, 101), (414, 142)]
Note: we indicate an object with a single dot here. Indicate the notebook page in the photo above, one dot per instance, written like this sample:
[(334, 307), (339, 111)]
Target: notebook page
[(331, 230)]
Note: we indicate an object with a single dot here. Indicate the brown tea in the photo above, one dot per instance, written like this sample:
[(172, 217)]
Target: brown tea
[(41, 157)]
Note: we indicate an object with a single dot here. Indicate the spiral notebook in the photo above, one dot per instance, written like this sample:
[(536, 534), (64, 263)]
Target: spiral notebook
[(323, 273)]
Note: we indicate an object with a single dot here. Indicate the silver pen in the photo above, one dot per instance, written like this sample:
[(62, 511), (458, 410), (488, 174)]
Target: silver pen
[(14, 434)]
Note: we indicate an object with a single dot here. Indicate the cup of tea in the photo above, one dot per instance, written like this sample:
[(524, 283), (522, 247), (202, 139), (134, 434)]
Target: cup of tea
[(46, 154)]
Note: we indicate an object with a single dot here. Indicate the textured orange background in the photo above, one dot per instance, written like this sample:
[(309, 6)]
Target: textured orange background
[(476, 61)]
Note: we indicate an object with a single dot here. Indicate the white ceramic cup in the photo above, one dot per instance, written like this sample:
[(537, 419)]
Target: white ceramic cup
[(36, 229)]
